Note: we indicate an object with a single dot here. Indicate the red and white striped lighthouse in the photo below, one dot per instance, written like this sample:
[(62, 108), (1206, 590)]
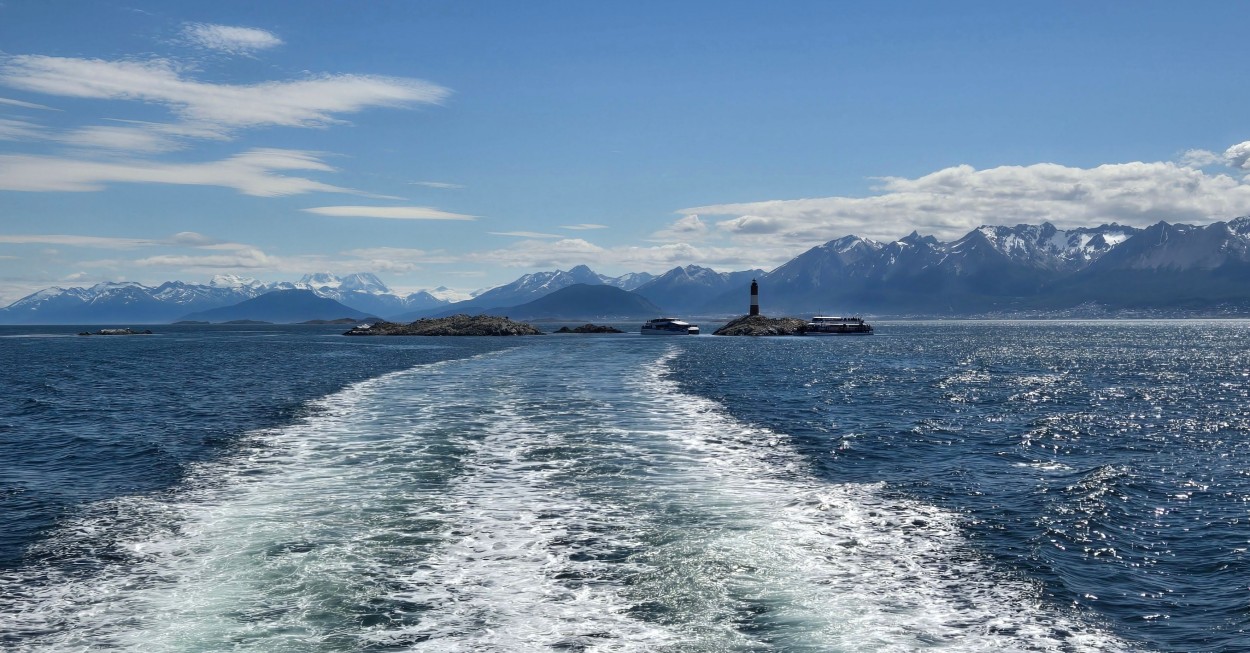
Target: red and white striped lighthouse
[(755, 298)]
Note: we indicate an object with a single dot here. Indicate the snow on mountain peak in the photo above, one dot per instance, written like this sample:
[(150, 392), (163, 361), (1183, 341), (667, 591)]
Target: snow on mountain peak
[(232, 281)]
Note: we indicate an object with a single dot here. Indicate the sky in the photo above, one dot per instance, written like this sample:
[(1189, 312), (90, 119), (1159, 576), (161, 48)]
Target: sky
[(462, 143)]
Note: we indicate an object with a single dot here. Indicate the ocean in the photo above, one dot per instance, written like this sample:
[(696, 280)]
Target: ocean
[(963, 486)]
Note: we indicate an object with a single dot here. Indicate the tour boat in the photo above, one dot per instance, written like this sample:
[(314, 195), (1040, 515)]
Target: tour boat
[(669, 326), (824, 325)]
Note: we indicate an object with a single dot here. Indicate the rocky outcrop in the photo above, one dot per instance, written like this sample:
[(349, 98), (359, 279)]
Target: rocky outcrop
[(758, 325), (117, 332), (456, 325), (590, 328)]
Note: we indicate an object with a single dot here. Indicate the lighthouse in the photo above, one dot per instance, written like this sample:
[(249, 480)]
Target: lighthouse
[(755, 298)]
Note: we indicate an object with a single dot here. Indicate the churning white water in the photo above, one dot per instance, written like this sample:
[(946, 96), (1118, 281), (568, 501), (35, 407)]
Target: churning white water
[(563, 496)]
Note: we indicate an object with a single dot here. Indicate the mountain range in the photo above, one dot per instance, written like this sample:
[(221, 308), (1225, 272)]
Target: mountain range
[(1025, 269), (134, 303)]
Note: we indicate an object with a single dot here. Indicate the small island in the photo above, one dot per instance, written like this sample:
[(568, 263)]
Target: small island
[(456, 325), (589, 328), (117, 332), (758, 325)]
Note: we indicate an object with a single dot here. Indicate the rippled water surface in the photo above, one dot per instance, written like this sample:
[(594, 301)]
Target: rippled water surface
[(964, 486)]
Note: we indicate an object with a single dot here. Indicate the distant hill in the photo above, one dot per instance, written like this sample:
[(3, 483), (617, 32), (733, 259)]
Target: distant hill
[(280, 306), (584, 302)]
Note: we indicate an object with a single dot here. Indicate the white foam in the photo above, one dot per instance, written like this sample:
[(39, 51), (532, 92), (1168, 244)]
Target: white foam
[(494, 504)]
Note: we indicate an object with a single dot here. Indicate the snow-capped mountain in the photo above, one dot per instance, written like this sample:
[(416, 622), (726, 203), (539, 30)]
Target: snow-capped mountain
[(990, 269), (690, 287), (529, 287), (134, 303)]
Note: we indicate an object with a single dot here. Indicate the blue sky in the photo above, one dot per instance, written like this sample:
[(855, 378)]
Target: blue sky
[(462, 144)]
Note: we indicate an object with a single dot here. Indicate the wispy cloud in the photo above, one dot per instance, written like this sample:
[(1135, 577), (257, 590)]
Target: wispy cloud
[(573, 251), (252, 173), (142, 140), (438, 184), (25, 105), (180, 239), (20, 130), (583, 226), (249, 259), (395, 259), (214, 108), (68, 240), (229, 39), (524, 234), (388, 212)]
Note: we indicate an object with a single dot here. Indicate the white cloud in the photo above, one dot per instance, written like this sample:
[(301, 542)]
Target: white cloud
[(685, 228), (584, 226), (229, 39), (1238, 156), (1200, 158), (212, 108), (388, 212), (950, 202), (251, 173)]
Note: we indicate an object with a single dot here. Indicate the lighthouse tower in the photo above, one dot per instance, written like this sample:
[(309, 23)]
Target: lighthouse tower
[(755, 298)]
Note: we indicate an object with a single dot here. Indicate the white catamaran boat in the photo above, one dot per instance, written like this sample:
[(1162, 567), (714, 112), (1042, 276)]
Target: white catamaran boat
[(669, 326), (824, 325)]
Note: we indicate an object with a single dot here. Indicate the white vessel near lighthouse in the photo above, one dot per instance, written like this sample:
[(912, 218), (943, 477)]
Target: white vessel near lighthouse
[(669, 326)]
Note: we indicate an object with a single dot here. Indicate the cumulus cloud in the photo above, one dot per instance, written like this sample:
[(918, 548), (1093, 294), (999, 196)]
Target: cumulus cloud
[(1238, 156), (252, 173), (229, 39), (950, 202), (686, 228), (212, 108), (388, 212), (1200, 158)]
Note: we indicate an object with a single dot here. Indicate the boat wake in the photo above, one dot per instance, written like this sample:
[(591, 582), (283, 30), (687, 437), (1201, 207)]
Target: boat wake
[(568, 497)]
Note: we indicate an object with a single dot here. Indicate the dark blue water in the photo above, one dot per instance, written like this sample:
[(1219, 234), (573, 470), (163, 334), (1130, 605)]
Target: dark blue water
[(966, 485), (88, 418), (1108, 461)]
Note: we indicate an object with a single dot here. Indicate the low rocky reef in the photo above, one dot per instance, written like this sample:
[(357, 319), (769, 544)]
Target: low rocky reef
[(456, 325), (117, 332), (758, 325), (589, 328)]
